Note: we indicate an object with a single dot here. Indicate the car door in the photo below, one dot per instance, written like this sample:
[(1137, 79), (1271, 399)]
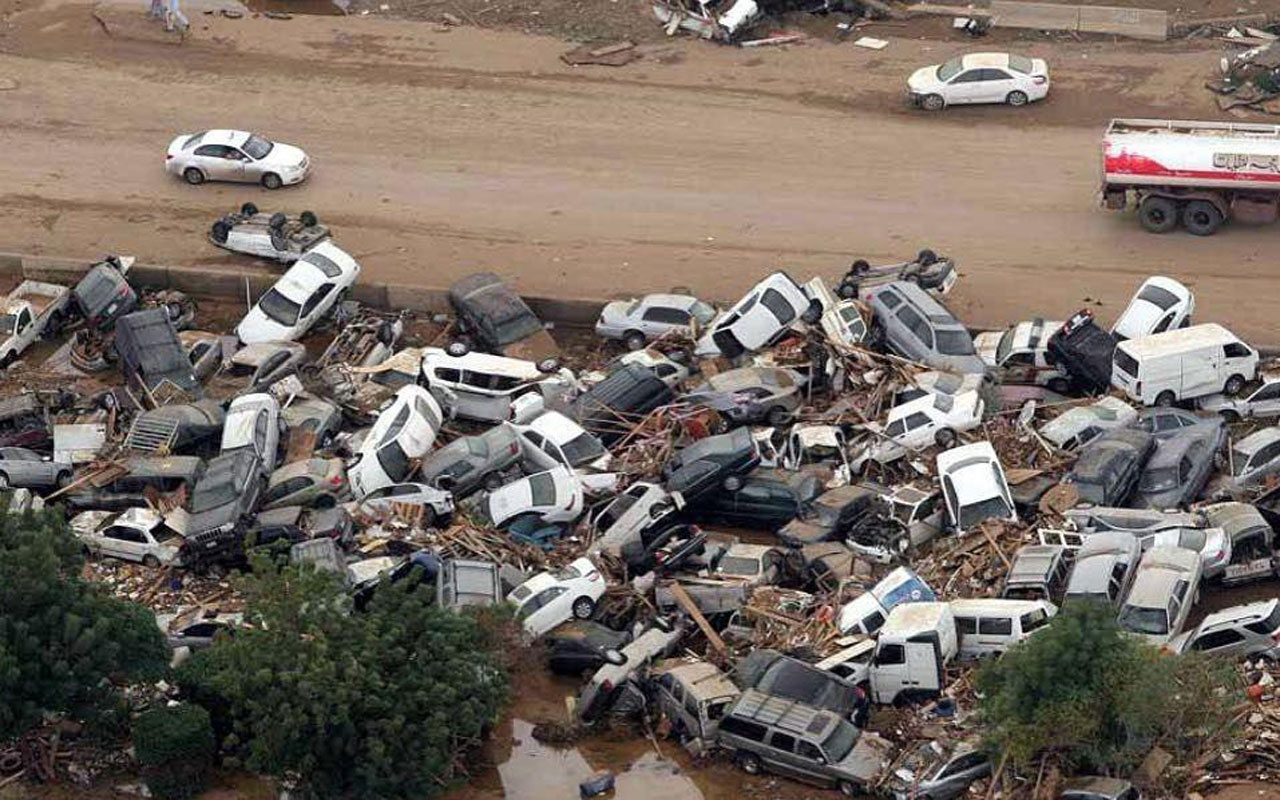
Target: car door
[(316, 305), (1265, 402), (750, 502), (996, 85), (122, 541), (550, 612), (221, 163), (965, 87), (920, 430), (781, 756), (657, 320)]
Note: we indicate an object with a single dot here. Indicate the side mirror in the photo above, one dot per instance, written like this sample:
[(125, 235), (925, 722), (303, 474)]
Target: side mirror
[(615, 657)]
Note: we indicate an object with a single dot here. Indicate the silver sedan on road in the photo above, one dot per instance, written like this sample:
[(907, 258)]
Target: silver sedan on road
[(224, 155)]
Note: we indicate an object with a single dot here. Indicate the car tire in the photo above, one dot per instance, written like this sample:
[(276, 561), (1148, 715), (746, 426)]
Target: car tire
[(926, 258), (150, 561), (1158, 214), (193, 176), (457, 349), (749, 763), (813, 313), (428, 516), (63, 480), (272, 181), (4, 481), (1229, 416), (1059, 385), (7, 359), (1016, 99), (945, 438), (1166, 399), (584, 607), (492, 482), (847, 290), (732, 483), (1234, 385), (778, 417), (851, 789), (249, 210), (1201, 218), (309, 219), (326, 502), (635, 340), (548, 365), (220, 231), (933, 102), (277, 221)]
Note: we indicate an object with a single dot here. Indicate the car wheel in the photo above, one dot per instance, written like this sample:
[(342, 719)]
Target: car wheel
[(847, 291), (813, 313), (458, 349), (64, 479), (1234, 384), (778, 417), (193, 176), (584, 607), (309, 219), (850, 789), (749, 763), (1230, 416), (492, 481), (1201, 218), (220, 231), (428, 516), (150, 561), (1016, 99), (1059, 386), (548, 365), (6, 359), (325, 502), (926, 258), (277, 221), (732, 483), (249, 210), (272, 181), (1158, 214), (635, 340), (933, 102), (1165, 399), (945, 438), (4, 481)]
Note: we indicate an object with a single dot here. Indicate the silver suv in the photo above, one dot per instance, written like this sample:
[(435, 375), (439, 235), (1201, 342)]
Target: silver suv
[(916, 326), (1244, 631)]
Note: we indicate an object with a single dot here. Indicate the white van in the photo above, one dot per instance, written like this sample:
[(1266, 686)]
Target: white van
[(481, 387), (915, 645), (1164, 368), (988, 626)]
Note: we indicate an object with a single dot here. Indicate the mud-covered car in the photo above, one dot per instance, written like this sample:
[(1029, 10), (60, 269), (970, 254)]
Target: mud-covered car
[(1083, 350), (279, 237), (492, 317)]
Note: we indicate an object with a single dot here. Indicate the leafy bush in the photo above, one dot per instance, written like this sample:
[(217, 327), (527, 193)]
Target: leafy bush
[(1098, 698), (61, 637), (372, 704), (175, 746)]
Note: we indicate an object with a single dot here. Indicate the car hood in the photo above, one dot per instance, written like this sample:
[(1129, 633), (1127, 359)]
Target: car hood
[(798, 530), (924, 79), (1137, 320), (1217, 402), (284, 155), (615, 313), (257, 327), (986, 343)]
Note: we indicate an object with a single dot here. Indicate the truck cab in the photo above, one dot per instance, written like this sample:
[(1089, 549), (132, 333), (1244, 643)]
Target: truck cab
[(915, 644)]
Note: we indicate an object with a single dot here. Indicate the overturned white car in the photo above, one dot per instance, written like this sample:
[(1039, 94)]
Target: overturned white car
[(710, 19), (280, 237)]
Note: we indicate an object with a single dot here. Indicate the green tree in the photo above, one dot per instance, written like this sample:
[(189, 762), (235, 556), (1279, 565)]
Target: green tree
[(175, 747), (1098, 698), (370, 704), (62, 639)]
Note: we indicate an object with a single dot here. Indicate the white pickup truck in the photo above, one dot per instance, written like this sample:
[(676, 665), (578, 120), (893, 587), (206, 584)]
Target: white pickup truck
[(29, 311)]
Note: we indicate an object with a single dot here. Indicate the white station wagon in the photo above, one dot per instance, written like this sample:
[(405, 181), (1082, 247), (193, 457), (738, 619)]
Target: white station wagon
[(980, 78)]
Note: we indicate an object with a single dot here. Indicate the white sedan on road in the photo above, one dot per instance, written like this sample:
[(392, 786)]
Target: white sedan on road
[(239, 156), (302, 296), (980, 78), (550, 598)]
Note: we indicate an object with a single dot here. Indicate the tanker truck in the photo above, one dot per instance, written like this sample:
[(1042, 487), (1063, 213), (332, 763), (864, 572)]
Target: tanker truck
[(1197, 174)]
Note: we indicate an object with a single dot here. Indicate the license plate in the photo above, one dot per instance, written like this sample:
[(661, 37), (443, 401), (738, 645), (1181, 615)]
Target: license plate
[(1252, 569)]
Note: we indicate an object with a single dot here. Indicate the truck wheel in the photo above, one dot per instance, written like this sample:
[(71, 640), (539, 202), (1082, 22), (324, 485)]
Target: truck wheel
[(635, 340), (1016, 99), (272, 181), (749, 763), (193, 176), (1234, 384), (1165, 399), (249, 210), (1158, 214), (933, 102), (1201, 218)]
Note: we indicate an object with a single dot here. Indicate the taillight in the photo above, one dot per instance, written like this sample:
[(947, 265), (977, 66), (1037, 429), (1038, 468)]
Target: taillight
[(515, 448), (124, 290), (593, 576), (607, 686), (1039, 80), (336, 480), (168, 157), (1138, 387)]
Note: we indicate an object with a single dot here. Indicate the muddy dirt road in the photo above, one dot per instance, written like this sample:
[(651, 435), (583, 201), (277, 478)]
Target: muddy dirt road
[(442, 151)]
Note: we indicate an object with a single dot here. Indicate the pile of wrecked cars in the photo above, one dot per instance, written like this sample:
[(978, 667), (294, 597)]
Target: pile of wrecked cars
[(741, 523)]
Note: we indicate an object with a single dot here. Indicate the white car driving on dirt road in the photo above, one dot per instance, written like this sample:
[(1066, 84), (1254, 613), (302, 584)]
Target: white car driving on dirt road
[(980, 78), (238, 156), (302, 296)]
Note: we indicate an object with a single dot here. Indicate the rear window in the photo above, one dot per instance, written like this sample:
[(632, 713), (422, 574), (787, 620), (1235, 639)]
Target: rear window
[(193, 140), (543, 489), (1020, 64), (1034, 619), (324, 264), (1267, 626), (778, 305), (1161, 298), (1126, 363), (954, 343)]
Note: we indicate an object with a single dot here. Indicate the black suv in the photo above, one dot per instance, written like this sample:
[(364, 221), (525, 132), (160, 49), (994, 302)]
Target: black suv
[(767, 499), (220, 508), (1107, 470), (493, 316), (1084, 351), (610, 408)]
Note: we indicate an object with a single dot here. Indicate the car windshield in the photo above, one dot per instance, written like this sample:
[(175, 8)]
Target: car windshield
[(542, 487), (991, 508), (955, 343), (822, 514), (207, 496), (393, 460), (737, 565), (1019, 63), (840, 742), (702, 312), (279, 308), (582, 448), (613, 512), (8, 322), (1144, 620), (256, 147), (1239, 461), (1162, 299), (950, 69), (1005, 347), (1159, 480)]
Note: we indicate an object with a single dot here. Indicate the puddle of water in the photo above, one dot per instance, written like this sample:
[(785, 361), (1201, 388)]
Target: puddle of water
[(536, 771), (324, 8)]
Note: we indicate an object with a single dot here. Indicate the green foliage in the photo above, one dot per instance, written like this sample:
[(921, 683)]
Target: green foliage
[(371, 704), (61, 637), (175, 746), (1097, 697)]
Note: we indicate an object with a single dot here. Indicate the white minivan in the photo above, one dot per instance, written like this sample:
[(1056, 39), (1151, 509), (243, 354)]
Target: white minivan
[(988, 626), (482, 387), (1164, 368)]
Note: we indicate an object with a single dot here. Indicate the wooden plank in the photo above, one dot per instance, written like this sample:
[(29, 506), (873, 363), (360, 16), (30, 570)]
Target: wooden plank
[(691, 608)]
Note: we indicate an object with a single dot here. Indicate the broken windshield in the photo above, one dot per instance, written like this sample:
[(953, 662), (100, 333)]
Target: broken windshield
[(1151, 621), (279, 308)]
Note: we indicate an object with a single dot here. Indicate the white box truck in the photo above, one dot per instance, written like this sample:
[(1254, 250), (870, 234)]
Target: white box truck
[(1165, 368)]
